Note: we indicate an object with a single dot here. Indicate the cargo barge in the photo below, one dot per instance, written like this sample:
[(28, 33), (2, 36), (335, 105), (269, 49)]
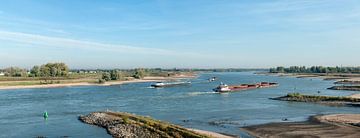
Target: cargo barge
[(231, 88), (169, 84)]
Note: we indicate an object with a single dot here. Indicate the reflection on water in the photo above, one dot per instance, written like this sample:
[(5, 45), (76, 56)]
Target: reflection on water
[(194, 106)]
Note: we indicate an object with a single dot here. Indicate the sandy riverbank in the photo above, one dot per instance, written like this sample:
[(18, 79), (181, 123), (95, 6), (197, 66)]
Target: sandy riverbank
[(210, 134), (146, 79), (352, 119), (325, 76), (355, 96), (72, 84), (327, 126)]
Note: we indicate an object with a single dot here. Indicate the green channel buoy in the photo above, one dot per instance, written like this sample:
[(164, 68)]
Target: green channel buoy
[(46, 115)]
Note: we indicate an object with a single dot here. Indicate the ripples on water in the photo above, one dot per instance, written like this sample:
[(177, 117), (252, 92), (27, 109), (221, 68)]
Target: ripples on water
[(194, 106)]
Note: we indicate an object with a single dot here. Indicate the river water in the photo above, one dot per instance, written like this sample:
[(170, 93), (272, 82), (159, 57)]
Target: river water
[(193, 106)]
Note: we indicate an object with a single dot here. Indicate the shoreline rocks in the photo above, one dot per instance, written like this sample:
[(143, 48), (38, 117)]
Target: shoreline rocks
[(125, 125)]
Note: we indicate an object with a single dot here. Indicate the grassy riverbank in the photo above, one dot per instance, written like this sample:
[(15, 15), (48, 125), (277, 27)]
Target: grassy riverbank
[(347, 82), (59, 74), (331, 100), (120, 124), (348, 88)]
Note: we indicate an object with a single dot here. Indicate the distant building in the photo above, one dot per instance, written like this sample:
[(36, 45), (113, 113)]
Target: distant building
[(2, 73), (92, 72)]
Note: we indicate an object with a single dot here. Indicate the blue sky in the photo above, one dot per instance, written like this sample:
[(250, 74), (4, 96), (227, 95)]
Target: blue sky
[(180, 33)]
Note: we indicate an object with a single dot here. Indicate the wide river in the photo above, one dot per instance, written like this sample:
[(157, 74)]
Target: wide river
[(193, 106)]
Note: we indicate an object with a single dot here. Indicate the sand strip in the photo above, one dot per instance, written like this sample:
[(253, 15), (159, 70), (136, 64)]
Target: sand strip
[(355, 96), (328, 126), (210, 134), (146, 79)]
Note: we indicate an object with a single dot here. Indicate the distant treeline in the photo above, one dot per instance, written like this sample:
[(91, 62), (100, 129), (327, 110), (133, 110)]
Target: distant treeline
[(139, 73), (228, 70), (172, 70), (62, 70), (315, 69), (46, 70)]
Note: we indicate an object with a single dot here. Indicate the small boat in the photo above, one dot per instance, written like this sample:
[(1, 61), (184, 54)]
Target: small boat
[(169, 84), (212, 79), (226, 88)]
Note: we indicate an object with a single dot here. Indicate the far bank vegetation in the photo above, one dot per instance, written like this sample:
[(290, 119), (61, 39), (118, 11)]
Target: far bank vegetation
[(315, 98), (52, 73), (315, 69)]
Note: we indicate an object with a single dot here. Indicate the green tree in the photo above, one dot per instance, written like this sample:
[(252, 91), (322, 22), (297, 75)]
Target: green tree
[(280, 69), (54, 70), (114, 75), (106, 76), (139, 73), (15, 72), (35, 71), (64, 69), (272, 70), (44, 71)]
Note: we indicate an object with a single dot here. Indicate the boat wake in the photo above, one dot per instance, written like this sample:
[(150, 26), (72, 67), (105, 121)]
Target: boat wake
[(199, 82), (201, 93), (150, 87)]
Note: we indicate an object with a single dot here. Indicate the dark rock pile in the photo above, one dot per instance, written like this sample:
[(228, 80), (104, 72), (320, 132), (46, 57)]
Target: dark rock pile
[(125, 125)]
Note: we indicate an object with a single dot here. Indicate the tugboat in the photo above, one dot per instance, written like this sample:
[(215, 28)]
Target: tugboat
[(226, 88), (222, 88), (169, 84)]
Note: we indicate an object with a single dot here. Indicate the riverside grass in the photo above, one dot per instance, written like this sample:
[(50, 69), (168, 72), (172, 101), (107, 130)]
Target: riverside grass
[(348, 88), (314, 98)]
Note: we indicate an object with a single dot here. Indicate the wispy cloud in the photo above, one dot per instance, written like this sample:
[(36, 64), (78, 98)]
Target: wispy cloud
[(287, 6), (58, 31), (80, 53), (119, 26), (40, 40), (307, 14), (10, 21)]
